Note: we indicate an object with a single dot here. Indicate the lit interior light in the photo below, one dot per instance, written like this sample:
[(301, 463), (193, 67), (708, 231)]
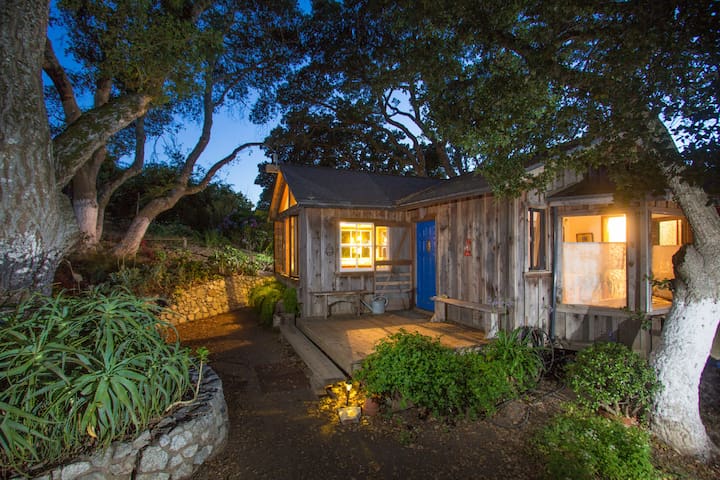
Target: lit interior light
[(616, 229)]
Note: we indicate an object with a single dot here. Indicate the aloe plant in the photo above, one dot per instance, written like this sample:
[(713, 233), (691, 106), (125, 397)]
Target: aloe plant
[(79, 371)]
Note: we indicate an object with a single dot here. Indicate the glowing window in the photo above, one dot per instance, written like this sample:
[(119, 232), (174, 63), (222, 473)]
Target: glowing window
[(614, 229), (594, 260), (356, 246), (667, 234), (287, 199)]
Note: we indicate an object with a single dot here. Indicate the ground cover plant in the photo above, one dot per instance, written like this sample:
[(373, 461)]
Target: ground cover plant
[(79, 372), (413, 368), (589, 440), (162, 271), (583, 446)]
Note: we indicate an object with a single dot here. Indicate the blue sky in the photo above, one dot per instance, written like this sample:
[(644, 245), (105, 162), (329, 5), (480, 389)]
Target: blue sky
[(229, 131)]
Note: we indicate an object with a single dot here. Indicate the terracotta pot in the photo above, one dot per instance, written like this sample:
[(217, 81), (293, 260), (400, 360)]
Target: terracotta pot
[(371, 407)]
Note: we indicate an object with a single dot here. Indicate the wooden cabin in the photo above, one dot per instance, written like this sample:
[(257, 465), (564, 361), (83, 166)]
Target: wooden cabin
[(572, 262)]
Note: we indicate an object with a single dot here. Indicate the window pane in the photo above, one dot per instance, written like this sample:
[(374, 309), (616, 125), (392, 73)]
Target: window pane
[(614, 229), (594, 270), (668, 234), (356, 245), (536, 236), (594, 273)]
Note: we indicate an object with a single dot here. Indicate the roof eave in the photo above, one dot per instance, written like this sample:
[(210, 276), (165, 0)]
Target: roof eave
[(442, 199), (601, 199)]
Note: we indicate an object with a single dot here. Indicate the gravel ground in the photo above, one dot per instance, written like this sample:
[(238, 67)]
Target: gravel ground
[(281, 430)]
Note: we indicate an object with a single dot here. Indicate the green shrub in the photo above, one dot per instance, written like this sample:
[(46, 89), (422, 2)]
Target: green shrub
[(611, 377), (418, 369), (587, 447), (290, 301), (263, 298), (214, 239), (515, 354), (415, 368), (171, 230), (487, 383), (82, 371), (229, 260)]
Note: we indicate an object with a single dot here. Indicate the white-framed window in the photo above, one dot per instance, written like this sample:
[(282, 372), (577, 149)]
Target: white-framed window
[(361, 245), (594, 260)]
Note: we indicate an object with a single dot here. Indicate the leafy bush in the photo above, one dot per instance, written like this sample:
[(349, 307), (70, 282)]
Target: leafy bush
[(520, 360), (170, 270), (580, 446), (488, 384), (230, 260), (290, 301), (611, 377), (171, 230), (415, 368), (82, 371), (263, 298)]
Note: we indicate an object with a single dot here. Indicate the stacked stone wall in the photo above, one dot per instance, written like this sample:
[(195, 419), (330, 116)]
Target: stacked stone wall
[(212, 298), (171, 450)]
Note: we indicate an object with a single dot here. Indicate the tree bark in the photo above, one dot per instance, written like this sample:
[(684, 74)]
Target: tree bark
[(84, 183), (76, 144), (37, 224), (107, 191), (690, 327)]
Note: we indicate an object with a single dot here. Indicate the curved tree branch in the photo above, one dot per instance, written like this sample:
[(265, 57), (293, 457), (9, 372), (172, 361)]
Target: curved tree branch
[(56, 72), (76, 144), (218, 165)]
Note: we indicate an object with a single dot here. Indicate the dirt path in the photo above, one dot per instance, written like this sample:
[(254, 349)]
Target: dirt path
[(279, 430)]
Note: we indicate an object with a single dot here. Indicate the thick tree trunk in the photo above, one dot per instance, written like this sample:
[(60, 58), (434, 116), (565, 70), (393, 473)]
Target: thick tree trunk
[(85, 190), (37, 224), (687, 338), (130, 242), (84, 200), (76, 144), (690, 327)]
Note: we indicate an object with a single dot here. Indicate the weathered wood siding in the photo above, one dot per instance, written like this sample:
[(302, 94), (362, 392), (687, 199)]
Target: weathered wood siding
[(493, 272), (319, 255)]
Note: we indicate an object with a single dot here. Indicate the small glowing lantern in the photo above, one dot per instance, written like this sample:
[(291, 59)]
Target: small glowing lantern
[(348, 387)]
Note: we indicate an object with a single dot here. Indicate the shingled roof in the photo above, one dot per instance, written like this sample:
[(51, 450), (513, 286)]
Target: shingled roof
[(595, 185), (328, 187), (463, 186)]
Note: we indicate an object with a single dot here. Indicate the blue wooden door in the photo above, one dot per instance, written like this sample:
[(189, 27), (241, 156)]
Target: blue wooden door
[(425, 248)]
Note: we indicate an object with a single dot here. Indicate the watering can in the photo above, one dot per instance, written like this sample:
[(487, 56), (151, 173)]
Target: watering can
[(377, 306)]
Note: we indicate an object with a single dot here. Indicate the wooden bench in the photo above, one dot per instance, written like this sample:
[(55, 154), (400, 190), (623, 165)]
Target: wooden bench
[(353, 296), (441, 313)]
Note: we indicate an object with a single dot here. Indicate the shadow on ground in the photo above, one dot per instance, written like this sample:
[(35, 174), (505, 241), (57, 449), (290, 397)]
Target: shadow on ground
[(278, 430)]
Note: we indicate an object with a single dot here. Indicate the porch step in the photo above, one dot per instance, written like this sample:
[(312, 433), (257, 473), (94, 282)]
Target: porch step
[(324, 371)]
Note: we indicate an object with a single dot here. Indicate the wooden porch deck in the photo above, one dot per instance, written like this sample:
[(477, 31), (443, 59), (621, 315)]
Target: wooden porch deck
[(347, 340)]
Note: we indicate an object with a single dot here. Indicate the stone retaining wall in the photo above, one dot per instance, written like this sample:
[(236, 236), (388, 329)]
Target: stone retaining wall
[(212, 298), (172, 450)]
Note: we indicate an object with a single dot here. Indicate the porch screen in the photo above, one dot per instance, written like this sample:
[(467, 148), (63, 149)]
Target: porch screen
[(594, 268)]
